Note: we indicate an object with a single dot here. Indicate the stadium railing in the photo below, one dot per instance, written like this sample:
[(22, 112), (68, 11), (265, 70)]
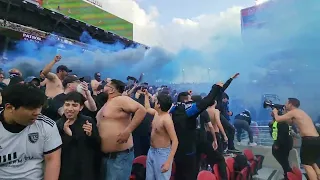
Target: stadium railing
[(261, 136)]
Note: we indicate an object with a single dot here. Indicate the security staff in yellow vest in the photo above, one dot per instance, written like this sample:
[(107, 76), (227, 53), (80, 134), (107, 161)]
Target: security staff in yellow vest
[(283, 143)]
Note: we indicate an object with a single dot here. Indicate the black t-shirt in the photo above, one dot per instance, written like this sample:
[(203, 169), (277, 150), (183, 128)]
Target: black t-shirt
[(51, 110)]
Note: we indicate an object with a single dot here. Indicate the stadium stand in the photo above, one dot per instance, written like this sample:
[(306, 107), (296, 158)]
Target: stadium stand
[(29, 18)]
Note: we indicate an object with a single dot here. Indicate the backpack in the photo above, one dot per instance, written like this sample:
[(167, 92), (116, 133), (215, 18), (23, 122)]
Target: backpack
[(139, 171), (241, 162)]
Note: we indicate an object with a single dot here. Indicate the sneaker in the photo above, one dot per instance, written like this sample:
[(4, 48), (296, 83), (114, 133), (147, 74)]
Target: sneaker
[(252, 144), (239, 143), (234, 150)]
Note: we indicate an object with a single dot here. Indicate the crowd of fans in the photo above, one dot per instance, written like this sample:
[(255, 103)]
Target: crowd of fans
[(99, 126)]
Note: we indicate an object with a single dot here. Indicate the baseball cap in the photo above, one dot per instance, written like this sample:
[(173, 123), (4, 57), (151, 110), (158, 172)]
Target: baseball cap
[(32, 78), (69, 79), (63, 68)]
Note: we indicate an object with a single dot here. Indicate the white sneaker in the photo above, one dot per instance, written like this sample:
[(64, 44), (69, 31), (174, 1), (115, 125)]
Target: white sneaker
[(239, 143), (252, 144)]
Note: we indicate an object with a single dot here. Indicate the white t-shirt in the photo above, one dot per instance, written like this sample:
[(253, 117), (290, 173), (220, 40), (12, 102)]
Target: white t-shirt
[(22, 153)]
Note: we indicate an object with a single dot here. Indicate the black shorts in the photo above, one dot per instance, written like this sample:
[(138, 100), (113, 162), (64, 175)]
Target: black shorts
[(310, 150)]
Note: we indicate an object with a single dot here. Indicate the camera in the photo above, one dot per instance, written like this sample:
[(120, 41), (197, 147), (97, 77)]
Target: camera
[(269, 103)]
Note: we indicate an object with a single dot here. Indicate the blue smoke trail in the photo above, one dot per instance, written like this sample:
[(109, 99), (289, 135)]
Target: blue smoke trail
[(278, 58)]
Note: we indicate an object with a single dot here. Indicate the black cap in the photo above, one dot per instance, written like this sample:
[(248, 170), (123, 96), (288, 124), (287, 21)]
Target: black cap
[(69, 79), (63, 68), (31, 78)]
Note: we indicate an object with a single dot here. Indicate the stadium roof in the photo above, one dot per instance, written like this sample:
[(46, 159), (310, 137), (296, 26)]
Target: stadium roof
[(31, 15)]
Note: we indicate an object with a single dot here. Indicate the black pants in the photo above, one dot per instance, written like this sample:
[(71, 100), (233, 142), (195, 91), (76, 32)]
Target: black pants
[(281, 154), (215, 157), (243, 125), (230, 131), (186, 167), (220, 142)]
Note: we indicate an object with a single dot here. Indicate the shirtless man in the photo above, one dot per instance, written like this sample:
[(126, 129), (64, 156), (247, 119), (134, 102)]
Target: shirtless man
[(310, 146), (53, 81), (163, 135), (214, 115), (115, 126)]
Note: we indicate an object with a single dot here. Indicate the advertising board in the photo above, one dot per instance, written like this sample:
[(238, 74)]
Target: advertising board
[(91, 12)]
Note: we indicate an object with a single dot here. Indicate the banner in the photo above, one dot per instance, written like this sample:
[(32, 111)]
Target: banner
[(253, 17)]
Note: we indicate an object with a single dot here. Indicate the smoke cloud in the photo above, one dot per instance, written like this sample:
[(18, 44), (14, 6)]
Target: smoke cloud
[(278, 58)]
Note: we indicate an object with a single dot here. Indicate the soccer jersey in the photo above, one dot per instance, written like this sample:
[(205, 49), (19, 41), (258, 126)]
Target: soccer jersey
[(22, 153)]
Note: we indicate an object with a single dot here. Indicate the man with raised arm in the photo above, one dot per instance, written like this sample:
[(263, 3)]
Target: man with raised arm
[(164, 141), (53, 81), (184, 115)]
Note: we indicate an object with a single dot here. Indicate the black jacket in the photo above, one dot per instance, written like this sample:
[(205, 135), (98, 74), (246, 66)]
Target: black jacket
[(244, 116), (184, 116), (80, 153)]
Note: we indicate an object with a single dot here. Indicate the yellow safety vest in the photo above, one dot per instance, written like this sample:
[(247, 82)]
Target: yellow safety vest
[(275, 130)]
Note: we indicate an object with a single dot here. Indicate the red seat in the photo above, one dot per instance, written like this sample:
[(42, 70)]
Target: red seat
[(252, 159), (173, 171), (141, 160), (292, 176), (230, 166), (217, 173), (243, 175), (297, 172), (206, 175)]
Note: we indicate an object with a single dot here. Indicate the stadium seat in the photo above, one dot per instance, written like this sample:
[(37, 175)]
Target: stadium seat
[(137, 167), (292, 176), (255, 161), (243, 174), (230, 166), (173, 171), (206, 175), (141, 160), (217, 173), (297, 172)]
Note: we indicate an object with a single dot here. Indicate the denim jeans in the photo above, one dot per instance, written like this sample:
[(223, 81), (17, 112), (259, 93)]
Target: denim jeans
[(156, 158), (118, 168)]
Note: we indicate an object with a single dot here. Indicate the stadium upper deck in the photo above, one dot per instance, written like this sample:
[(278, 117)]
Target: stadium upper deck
[(31, 15)]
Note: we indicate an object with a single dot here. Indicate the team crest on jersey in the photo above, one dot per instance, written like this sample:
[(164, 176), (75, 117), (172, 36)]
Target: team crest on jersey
[(33, 137)]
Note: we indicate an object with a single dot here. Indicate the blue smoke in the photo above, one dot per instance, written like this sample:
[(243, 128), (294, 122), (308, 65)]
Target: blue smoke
[(278, 58)]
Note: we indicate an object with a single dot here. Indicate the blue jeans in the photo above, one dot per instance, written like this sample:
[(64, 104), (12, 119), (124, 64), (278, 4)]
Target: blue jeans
[(118, 168), (156, 158)]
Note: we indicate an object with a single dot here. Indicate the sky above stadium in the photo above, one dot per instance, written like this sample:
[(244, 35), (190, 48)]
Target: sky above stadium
[(177, 24)]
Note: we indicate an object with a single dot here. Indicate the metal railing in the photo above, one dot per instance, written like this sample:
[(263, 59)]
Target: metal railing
[(261, 136)]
